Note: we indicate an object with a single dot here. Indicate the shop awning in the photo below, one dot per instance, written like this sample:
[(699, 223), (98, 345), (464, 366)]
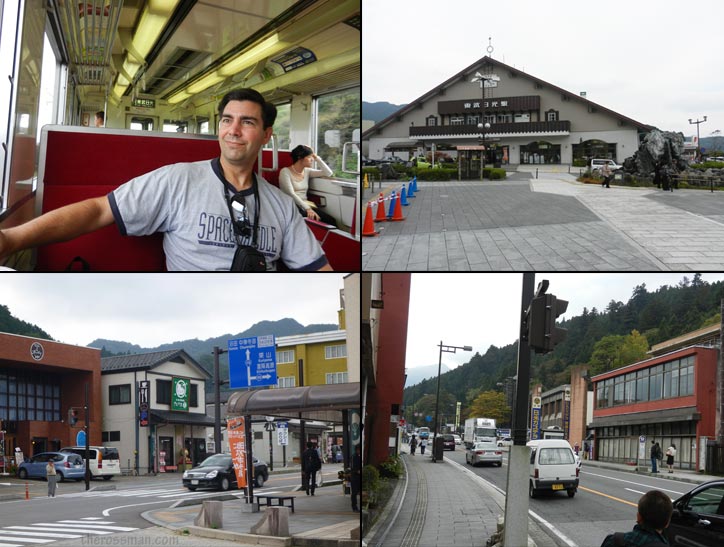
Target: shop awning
[(161, 417), (402, 145), (313, 402), (661, 416)]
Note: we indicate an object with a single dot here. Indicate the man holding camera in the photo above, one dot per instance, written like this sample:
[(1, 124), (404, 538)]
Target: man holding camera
[(215, 214)]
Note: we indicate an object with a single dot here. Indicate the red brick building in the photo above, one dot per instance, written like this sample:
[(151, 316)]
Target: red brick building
[(670, 398), (40, 381)]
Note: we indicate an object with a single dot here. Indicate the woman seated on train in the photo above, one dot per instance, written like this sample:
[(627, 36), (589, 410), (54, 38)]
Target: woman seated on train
[(294, 180)]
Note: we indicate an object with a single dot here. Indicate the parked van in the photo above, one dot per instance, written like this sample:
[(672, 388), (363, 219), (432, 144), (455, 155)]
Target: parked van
[(102, 460), (552, 467)]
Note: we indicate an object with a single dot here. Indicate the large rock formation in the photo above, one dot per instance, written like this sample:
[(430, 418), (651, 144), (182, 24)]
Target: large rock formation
[(660, 151)]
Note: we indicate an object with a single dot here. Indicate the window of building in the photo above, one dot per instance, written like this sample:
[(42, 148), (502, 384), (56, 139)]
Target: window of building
[(25, 396), (286, 356), (336, 377), (286, 381), (163, 392), (656, 382), (618, 391), (473, 120), (119, 394), (551, 116), (194, 395), (504, 118), (111, 436), (630, 393), (335, 352), (686, 377), (431, 121), (457, 120)]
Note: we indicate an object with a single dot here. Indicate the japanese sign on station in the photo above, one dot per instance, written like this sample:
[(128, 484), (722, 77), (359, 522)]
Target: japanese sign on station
[(252, 362)]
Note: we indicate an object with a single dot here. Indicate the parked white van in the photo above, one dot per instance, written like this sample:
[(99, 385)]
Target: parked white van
[(552, 467), (103, 461)]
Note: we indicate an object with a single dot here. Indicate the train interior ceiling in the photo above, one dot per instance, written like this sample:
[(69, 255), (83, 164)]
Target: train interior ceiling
[(168, 64)]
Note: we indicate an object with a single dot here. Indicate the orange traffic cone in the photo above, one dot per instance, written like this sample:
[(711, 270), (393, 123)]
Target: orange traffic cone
[(369, 227), (397, 215), (27, 494), (381, 217)]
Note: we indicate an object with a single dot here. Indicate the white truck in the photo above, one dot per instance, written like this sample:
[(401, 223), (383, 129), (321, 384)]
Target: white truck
[(479, 430)]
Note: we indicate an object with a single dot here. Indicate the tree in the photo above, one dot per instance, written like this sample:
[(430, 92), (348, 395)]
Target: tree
[(490, 404), (615, 351)]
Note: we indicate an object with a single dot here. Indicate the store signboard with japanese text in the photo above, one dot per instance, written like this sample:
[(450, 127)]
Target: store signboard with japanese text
[(252, 362), (237, 445), (180, 389), (282, 433)]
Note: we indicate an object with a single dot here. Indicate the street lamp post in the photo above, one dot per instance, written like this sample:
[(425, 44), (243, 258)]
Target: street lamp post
[(446, 349), (698, 146)]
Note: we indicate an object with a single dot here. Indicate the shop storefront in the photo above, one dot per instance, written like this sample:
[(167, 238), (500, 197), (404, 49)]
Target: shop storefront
[(666, 399)]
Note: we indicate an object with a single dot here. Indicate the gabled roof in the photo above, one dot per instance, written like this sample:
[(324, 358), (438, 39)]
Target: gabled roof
[(468, 71), (147, 361)]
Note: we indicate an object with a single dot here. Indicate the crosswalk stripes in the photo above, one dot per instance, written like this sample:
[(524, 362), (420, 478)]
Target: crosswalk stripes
[(47, 532), (154, 492)]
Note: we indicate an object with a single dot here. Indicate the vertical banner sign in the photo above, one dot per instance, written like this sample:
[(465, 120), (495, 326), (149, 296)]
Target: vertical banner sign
[(282, 433), (535, 419), (457, 415), (180, 388), (237, 445), (143, 403), (566, 412)]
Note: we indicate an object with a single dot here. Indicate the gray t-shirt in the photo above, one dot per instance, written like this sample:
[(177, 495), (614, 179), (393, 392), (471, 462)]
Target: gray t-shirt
[(186, 201)]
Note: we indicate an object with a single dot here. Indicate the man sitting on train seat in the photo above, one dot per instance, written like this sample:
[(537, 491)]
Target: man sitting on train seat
[(212, 212)]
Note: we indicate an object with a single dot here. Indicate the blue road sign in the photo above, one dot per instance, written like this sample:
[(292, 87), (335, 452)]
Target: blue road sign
[(428, 418), (80, 438), (252, 362)]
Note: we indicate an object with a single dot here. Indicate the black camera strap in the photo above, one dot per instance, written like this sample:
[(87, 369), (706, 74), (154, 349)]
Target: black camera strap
[(228, 187)]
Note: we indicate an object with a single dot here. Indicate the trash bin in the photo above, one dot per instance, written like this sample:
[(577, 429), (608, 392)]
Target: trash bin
[(438, 449)]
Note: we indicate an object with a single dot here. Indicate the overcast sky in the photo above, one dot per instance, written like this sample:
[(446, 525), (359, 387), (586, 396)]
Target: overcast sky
[(656, 61), (153, 309), (481, 310)]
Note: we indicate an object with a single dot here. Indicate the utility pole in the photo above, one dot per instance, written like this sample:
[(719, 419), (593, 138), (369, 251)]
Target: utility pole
[(217, 403), (516, 497), (698, 146)]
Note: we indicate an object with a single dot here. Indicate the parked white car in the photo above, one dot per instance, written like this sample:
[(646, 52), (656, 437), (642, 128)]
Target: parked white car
[(597, 164)]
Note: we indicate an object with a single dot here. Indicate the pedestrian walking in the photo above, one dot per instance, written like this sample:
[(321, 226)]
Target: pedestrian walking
[(51, 474), (356, 481), (670, 453), (655, 455), (606, 174), (413, 445), (653, 516), (310, 465), (423, 444)]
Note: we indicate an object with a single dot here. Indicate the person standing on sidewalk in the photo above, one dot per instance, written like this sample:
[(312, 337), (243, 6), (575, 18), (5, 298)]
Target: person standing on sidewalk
[(653, 516), (655, 455), (606, 174), (51, 474), (310, 465), (423, 444), (670, 453), (356, 480), (413, 445)]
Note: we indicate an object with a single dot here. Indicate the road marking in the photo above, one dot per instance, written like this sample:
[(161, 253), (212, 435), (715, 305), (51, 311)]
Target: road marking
[(90, 526), (60, 529), (14, 533), (636, 483), (553, 529), (27, 540), (607, 496)]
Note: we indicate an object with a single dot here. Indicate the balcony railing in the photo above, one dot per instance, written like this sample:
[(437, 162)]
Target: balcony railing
[(523, 128)]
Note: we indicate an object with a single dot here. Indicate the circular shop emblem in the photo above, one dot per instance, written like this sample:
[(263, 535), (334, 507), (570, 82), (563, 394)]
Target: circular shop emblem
[(36, 351), (181, 389)]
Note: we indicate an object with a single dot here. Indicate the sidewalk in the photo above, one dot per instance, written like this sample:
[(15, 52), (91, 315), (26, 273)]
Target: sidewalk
[(684, 475), (325, 520), (442, 504)]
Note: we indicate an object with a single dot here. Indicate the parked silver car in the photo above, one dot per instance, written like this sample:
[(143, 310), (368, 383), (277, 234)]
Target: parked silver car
[(484, 452)]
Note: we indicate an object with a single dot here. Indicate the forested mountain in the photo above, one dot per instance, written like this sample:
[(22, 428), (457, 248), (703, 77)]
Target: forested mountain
[(13, 325), (666, 313)]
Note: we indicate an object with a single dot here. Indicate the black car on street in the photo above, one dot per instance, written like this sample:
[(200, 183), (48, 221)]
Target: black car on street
[(217, 471), (698, 517)]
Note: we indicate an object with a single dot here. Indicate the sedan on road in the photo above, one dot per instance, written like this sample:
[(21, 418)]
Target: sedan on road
[(698, 517), (484, 452), (448, 442), (217, 471)]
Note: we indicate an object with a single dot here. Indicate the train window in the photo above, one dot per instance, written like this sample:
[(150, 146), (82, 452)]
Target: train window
[(338, 115), (204, 127), (282, 127), (47, 113), (142, 124), (174, 126)]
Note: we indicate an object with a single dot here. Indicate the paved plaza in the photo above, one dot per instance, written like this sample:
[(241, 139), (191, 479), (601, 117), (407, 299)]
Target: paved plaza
[(549, 223)]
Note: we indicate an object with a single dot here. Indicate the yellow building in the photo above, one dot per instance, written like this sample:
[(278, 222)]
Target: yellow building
[(320, 358)]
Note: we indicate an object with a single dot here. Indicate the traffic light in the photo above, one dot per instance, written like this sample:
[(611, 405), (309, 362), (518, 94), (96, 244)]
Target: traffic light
[(72, 417), (543, 335)]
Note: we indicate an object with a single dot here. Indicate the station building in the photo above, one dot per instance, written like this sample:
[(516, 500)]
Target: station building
[(531, 121), (40, 382)]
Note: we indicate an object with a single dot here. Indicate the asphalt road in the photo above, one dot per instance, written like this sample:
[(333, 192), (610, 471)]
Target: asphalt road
[(606, 500), (75, 512)]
